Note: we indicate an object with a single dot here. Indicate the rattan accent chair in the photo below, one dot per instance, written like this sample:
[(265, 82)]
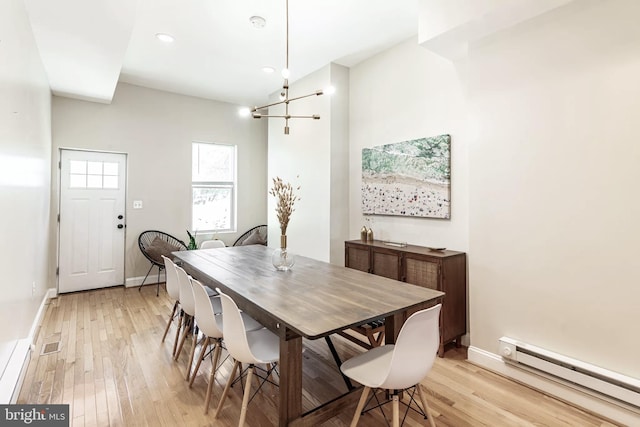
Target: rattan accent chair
[(153, 244), (258, 230)]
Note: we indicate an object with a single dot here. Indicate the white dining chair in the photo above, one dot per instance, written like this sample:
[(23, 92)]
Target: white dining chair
[(173, 289), (189, 309), (246, 347), (210, 244), (400, 366), (210, 325)]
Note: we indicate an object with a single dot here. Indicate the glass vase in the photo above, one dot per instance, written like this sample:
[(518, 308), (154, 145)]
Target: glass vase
[(282, 259)]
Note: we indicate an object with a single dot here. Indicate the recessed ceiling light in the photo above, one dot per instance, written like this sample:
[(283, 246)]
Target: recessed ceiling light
[(164, 37), (268, 69), (258, 21)]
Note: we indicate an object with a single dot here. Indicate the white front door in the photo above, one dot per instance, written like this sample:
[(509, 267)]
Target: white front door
[(92, 220)]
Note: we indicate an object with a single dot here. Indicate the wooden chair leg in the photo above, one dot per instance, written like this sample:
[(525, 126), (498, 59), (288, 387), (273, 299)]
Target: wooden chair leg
[(186, 328), (194, 344), (205, 345), (173, 313), (396, 409), (361, 402), (245, 397), (379, 339), (177, 338), (212, 376), (226, 389), (425, 405)]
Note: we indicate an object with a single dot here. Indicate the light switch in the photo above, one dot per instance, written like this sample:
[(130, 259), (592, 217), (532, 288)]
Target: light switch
[(137, 204)]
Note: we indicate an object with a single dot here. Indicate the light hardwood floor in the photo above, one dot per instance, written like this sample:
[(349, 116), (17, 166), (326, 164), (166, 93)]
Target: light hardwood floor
[(113, 370)]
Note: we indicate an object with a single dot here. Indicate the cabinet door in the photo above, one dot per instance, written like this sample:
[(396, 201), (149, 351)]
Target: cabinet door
[(422, 272), (386, 263), (357, 258)]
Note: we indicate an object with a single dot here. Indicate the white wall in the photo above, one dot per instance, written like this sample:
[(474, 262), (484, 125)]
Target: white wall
[(25, 153), (545, 201), (313, 157), (339, 169), (156, 129), (407, 93), (553, 177)]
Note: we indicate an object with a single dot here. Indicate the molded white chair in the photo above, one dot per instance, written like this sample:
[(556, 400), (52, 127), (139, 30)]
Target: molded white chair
[(251, 347), (210, 324), (399, 366), (173, 289), (188, 309), (210, 244)]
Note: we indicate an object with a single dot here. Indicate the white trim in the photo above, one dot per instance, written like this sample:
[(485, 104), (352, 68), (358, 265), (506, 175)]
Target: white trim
[(152, 279), (16, 369), (550, 386), (14, 372), (51, 293)]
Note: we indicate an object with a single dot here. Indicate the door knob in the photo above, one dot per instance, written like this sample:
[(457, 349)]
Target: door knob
[(120, 226)]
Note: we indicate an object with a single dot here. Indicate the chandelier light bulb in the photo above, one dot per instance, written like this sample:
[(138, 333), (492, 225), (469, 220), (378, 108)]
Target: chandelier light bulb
[(244, 112), (329, 90), (283, 96), (285, 73)]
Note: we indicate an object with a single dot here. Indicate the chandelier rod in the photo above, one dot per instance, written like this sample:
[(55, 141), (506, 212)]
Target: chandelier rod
[(260, 116), (287, 50), (285, 90), (316, 93)]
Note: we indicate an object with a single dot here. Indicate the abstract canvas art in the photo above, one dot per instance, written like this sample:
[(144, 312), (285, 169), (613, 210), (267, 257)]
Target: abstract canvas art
[(409, 178)]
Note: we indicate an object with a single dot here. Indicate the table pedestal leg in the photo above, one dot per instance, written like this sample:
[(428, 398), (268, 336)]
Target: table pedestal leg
[(290, 404)]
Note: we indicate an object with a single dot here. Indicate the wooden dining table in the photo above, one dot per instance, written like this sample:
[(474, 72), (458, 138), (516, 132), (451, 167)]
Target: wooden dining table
[(312, 300)]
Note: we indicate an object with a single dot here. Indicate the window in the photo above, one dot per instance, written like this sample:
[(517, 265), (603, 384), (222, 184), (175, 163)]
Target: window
[(213, 183), (88, 174)]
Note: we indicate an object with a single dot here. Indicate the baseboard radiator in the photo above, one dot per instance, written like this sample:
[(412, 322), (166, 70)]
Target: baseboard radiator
[(591, 379)]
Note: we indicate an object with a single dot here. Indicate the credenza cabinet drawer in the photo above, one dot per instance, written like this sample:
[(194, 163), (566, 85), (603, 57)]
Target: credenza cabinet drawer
[(444, 271)]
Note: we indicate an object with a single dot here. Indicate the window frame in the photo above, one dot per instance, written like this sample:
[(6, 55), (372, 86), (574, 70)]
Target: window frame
[(231, 185)]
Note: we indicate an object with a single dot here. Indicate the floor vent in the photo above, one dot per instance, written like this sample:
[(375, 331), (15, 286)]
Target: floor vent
[(52, 347)]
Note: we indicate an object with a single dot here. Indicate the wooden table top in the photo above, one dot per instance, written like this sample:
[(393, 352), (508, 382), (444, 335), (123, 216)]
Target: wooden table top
[(314, 299)]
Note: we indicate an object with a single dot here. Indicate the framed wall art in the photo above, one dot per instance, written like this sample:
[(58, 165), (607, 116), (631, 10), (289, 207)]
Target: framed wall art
[(409, 178)]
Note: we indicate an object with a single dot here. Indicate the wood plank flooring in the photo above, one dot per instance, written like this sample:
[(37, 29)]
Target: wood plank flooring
[(113, 371)]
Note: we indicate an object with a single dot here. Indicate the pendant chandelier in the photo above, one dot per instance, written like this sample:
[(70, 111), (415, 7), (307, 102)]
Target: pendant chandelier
[(284, 95)]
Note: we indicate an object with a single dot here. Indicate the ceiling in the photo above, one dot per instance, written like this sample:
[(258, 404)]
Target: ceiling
[(88, 46)]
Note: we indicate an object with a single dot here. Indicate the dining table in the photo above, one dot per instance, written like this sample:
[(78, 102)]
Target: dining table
[(312, 300)]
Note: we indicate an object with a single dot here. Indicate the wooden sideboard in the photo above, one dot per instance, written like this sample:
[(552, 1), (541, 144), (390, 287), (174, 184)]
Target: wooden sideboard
[(444, 271)]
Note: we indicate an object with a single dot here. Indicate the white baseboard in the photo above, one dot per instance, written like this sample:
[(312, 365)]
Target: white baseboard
[(51, 293), (548, 385), (152, 279), (16, 368)]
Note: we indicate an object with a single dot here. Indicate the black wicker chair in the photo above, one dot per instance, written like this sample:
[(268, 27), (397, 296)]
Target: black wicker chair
[(260, 229), (155, 243)]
